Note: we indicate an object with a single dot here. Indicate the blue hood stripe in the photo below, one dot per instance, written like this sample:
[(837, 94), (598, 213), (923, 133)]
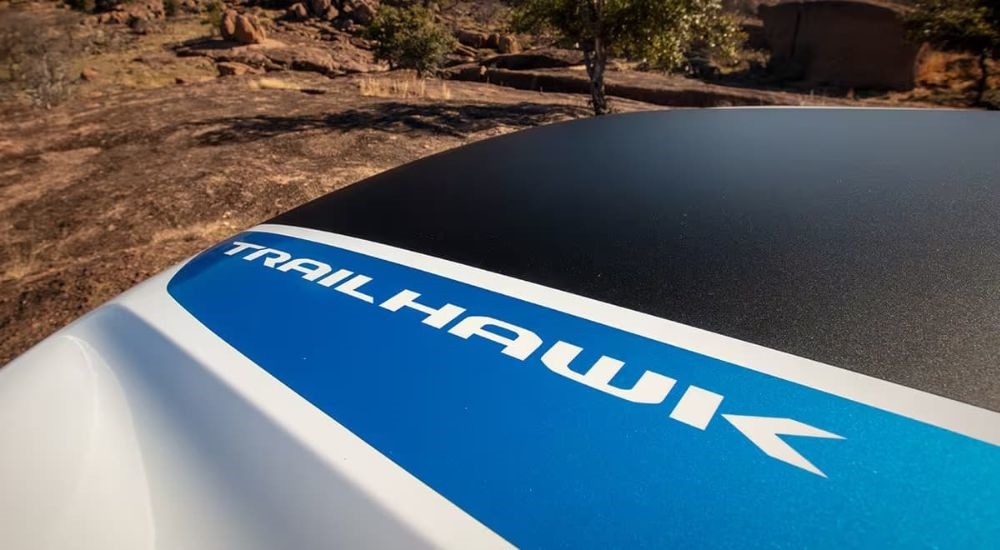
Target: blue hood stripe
[(609, 439)]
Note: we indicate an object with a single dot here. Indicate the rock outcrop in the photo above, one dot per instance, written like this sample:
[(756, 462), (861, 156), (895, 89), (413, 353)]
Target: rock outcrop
[(89, 74), (472, 39), (344, 13), (334, 59), (297, 12), (131, 12), (550, 58), (479, 40), (230, 68), (844, 43), (361, 12), (508, 43), (243, 28)]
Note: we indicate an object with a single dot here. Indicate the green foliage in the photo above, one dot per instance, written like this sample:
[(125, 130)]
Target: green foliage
[(662, 33), (82, 5), (960, 25), (957, 25), (991, 100), (171, 7), (94, 6), (107, 5), (409, 38), (213, 15)]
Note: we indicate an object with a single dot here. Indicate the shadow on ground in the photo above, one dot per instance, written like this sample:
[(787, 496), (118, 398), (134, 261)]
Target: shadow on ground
[(202, 43), (440, 119)]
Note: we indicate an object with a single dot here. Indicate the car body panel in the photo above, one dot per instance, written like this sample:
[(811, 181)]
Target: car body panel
[(453, 357)]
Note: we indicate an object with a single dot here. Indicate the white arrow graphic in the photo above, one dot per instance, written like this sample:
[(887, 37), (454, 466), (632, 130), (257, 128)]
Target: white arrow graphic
[(763, 431)]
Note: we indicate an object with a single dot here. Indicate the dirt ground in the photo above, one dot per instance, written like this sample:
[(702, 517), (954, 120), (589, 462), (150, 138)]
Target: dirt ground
[(99, 194), (154, 156)]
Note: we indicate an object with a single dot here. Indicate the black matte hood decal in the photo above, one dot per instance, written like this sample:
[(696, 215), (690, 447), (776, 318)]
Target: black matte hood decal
[(866, 239)]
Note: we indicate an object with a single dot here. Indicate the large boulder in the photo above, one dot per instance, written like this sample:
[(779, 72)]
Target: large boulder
[(493, 41), (249, 30), (843, 43), (535, 59), (330, 14), (127, 13), (242, 28), (361, 12), (319, 7), (508, 44), (297, 12), (472, 39), (227, 27)]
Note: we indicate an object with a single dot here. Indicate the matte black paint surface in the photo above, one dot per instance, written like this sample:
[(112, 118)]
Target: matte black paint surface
[(867, 239)]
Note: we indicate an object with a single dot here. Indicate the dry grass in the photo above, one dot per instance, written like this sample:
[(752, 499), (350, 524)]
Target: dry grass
[(51, 49), (952, 70), (404, 88), (37, 49), (17, 268), (211, 231), (141, 62), (273, 84), (948, 79), (933, 69)]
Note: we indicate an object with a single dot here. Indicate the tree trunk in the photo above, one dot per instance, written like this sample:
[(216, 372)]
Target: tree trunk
[(598, 64), (595, 58), (984, 74)]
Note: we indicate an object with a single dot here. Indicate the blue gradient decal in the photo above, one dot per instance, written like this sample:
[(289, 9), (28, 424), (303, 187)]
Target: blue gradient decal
[(546, 461)]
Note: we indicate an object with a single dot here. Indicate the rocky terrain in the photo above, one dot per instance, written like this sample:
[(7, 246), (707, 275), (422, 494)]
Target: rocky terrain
[(101, 193), (149, 135)]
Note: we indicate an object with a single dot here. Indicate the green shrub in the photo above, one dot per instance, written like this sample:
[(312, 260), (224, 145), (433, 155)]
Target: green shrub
[(960, 25), (171, 7), (87, 6), (409, 38), (106, 5), (93, 6), (213, 15), (991, 100), (662, 34)]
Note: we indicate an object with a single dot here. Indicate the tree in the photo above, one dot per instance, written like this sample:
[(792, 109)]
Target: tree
[(960, 25), (409, 38), (658, 32)]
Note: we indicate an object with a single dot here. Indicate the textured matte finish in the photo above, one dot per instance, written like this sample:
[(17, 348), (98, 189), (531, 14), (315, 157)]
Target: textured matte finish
[(867, 239)]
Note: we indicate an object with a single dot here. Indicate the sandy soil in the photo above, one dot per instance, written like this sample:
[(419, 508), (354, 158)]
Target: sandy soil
[(155, 157), (99, 194)]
